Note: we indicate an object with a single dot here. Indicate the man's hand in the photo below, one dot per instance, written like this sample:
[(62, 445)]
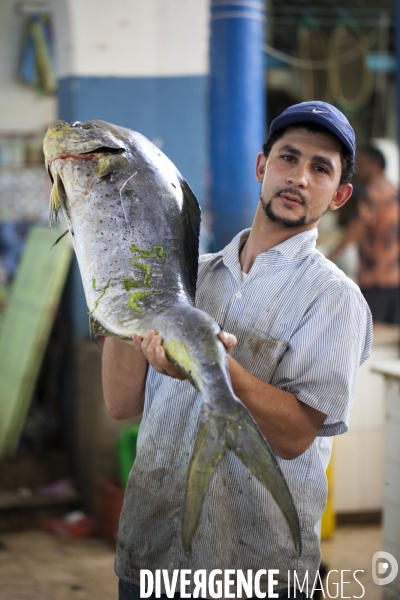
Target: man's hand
[(151, 346)]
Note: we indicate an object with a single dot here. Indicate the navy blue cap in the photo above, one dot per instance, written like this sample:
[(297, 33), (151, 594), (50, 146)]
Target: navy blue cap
[(318, 112)]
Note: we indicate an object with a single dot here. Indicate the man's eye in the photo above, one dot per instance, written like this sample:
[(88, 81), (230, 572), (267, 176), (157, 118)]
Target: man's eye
[(287, 157), (321, 169)]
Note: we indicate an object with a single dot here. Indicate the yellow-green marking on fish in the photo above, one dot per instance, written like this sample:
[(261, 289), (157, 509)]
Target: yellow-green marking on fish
[(145, 268), (155, 252), (130, 283), (138, 296), (102, 290)]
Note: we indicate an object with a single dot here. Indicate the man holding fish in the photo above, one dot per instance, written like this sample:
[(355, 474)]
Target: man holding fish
[(296, 329)]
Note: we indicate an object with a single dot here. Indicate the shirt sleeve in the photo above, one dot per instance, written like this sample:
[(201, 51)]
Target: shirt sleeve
[(321, 362)]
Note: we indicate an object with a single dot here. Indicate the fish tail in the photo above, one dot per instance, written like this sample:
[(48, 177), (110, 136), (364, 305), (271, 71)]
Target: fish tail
[(249, 444), (210, 446), (239, 433)]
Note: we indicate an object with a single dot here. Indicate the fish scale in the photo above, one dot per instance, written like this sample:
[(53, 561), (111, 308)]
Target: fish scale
[(134, 224)]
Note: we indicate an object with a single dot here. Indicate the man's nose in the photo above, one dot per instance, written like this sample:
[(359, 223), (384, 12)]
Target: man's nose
[(298, 176)]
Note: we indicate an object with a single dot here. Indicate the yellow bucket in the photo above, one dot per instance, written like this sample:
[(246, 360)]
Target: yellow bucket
[(328, 522)]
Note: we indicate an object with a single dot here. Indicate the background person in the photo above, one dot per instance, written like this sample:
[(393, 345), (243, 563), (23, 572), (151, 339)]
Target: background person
[(376, 232), (302, 329)]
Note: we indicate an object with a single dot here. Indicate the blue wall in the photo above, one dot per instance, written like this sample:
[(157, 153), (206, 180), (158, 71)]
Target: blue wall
[(172, 109)]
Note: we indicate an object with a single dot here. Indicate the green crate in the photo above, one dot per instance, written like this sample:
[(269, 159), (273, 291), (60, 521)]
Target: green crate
[(127, 451)]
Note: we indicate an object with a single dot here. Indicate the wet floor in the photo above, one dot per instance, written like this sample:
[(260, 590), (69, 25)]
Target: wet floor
[(39, 566), (351, 549)]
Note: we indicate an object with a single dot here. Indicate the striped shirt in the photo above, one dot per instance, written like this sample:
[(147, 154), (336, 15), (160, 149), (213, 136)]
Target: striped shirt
[(302, 326)]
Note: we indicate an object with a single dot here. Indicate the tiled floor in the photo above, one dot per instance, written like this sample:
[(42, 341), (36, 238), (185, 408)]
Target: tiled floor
[(351, 549), (40, 566)]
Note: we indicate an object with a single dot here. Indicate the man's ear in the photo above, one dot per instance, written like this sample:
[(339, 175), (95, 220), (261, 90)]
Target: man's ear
[(260, 166), (343, 193)]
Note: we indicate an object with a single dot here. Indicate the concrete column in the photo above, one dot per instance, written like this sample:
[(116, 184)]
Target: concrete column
[(140, 64), (237, 113)]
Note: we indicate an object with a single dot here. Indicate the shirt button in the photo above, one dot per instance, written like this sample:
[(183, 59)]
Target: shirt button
[(238, 294)]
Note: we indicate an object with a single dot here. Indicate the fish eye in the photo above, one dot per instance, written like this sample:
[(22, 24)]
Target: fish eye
[(57, 125)]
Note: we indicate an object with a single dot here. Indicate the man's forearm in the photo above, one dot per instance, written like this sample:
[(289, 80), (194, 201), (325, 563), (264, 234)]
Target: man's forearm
[(124, 378), (289, 426)]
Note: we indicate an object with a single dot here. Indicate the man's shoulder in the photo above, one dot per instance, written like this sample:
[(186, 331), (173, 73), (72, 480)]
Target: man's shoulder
[(206, 259), (327, 275)]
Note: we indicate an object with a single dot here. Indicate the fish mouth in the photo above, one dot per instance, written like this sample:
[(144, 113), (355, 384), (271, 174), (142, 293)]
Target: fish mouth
[(94, 153), (89, 155)]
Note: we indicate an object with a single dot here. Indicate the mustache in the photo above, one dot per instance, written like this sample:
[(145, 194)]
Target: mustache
[(292, 191)]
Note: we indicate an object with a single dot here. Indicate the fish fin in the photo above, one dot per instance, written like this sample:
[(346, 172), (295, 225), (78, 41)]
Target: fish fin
[(95, 329), (54, 205), (248, 443), (110, 163), (59, 238), (209, 448), (62, 196), (240, 434), (57, 199), (191, 218)]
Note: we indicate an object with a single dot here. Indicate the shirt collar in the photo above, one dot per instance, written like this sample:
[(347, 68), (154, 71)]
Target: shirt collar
[(298, 246)]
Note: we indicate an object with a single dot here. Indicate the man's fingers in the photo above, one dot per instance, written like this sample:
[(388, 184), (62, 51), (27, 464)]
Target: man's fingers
[(148, 343), (155, 349), (148, 337), (228, 339)]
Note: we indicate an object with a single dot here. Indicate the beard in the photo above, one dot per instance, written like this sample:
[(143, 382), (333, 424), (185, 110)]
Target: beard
[(285, 221)]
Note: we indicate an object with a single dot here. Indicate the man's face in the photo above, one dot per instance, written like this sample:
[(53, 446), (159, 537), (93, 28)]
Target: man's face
[(300, 179)]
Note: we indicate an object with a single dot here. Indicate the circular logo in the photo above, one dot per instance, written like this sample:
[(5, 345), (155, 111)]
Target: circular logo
[(380, 568)]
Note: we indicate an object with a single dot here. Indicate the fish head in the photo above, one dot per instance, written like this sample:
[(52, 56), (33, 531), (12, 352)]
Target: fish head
[(80, 138), (80, 155), (127, 208), (96, 147)]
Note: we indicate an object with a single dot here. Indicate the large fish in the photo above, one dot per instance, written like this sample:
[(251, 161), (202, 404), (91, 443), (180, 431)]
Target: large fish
[(134, 224)]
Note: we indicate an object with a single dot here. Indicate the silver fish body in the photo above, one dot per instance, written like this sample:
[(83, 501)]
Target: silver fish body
[(134, 224)]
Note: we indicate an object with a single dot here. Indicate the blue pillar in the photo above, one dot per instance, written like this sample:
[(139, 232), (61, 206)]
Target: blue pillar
[(237, 129)]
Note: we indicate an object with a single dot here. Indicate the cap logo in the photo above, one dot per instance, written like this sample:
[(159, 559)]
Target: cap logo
[(322, 113)]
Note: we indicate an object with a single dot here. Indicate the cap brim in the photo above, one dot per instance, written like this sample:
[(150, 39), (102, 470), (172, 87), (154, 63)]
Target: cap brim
[(284, 121)]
